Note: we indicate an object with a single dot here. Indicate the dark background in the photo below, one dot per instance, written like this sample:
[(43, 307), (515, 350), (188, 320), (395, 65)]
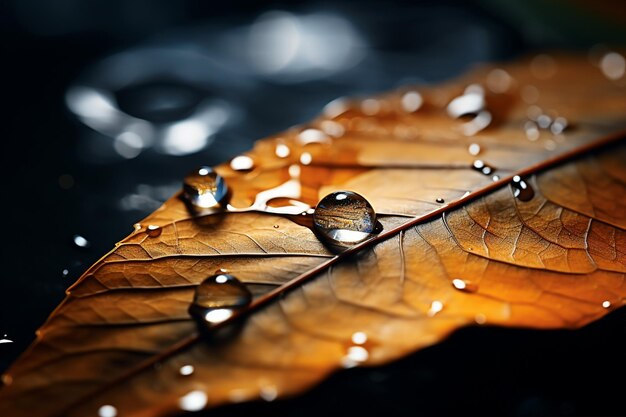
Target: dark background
[(91, 89)]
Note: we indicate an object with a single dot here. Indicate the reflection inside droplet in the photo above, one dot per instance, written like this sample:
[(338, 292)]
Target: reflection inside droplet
[(606, 304), (193, 401), (204, 188), (107, 411), (344, 218)]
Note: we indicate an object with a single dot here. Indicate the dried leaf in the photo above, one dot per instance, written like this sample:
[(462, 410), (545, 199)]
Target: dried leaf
[(457, 248)]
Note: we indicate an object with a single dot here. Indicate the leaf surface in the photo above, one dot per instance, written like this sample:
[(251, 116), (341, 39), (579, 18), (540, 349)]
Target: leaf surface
[(482, 256)]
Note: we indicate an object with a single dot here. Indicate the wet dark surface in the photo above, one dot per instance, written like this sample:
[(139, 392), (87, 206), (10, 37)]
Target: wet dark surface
[(191, 69)]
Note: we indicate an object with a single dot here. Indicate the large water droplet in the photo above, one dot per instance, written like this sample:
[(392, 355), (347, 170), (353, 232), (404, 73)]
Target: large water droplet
[(204, 188), (218, 297), (344, 218), (521, 189)]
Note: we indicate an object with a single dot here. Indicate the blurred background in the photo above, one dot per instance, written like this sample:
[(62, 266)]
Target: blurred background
[(108, 103)]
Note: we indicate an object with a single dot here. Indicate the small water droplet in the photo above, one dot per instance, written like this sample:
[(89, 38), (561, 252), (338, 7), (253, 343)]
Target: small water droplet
[(335, 108), (333, 128), (613, 66), (186, 370), (544, 121), (153, 230), (282, 150), (276, 226), (308, 136), (606, 304), (558, 125), (268, 393), (470, 103), (530, 94), (7, 379), (107, 411), (242, 163), (532, 130), (370, 106), (218, 297), (193, 401), (80, 241), (499, 81), (344, 218), (480, 318), (359, 338), (521, 189), (411, 101), (543, 66), (474, 149), (435, 307), (306, 158), (440, 200), (137, 227), (550, 145), (464, 285), (495, 178), (65, 272), (204, 188), (482, 167)]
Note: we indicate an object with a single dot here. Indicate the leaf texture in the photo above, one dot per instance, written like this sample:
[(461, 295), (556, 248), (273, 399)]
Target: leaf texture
[(482, 256)]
